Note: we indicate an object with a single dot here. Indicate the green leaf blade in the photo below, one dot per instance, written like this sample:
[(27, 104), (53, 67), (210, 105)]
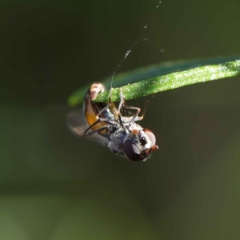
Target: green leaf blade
[(174, 80), (182, 75)]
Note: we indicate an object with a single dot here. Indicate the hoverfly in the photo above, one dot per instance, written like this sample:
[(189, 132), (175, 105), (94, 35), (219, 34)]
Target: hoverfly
[(119, 132)]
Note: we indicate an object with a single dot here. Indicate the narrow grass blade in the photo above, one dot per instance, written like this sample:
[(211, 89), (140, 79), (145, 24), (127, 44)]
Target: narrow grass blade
[(158, 78)]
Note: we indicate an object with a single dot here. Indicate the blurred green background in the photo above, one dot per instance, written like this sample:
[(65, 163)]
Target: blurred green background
[(54, 185)]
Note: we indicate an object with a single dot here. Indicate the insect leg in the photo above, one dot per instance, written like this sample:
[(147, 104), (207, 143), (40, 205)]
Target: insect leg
[(94, 131), (102, 110), (135, 116), (121, 103), (96, 122)]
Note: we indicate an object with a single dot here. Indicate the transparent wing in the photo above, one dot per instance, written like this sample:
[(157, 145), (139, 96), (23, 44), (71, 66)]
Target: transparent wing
[(77, 124)]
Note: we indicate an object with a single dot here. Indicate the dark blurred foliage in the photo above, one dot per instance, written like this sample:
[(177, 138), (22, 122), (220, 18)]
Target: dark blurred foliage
[(54, 185)]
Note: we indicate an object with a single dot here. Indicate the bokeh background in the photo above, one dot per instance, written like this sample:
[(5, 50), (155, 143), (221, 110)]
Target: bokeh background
[(54, 185)]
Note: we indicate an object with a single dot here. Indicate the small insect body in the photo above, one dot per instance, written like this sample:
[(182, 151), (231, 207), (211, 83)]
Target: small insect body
[(78, 121), (94, 111), (133, 141), (121, 134)]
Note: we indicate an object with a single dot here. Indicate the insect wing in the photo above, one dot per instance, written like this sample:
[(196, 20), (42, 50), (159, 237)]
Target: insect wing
[(76, 122), (77, 125)]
